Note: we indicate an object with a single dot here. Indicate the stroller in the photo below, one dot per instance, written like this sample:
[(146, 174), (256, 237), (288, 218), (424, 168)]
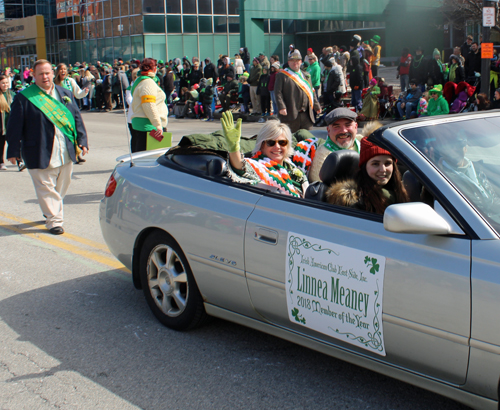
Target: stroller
[(470, 104)]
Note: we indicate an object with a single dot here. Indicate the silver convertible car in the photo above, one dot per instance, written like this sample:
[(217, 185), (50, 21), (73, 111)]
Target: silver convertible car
[(412, 294)]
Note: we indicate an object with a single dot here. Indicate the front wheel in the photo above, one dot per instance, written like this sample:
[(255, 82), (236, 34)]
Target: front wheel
[(169, 285)]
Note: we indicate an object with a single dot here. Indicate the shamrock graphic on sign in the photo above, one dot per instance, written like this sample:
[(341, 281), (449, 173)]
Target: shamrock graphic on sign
[(372, 264)]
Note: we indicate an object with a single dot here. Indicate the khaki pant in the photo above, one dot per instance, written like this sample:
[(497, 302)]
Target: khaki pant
[(51, 185), (255, 100)]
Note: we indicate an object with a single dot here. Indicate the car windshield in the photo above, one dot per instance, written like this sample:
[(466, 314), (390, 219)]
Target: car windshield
[(468, 153)]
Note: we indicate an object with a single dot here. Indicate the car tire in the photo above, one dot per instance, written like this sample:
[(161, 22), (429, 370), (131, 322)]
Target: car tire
[(169, 285)]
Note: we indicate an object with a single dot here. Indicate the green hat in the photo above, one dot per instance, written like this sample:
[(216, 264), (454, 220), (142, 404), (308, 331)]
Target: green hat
[(438, 89), (375, 39), (245, 74), (19, 82), (160, 62), (15, 71), (436, 52)]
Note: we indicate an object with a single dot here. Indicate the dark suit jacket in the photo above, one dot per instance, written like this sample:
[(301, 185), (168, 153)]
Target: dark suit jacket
[(289, 95), (30, 130)]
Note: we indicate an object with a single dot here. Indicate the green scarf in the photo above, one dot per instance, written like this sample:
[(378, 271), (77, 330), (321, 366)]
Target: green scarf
[(55, 111), (334, 147)]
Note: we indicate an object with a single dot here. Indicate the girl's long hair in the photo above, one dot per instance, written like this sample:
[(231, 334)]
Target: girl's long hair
[(5, 98), (58, 80), (371, 193)]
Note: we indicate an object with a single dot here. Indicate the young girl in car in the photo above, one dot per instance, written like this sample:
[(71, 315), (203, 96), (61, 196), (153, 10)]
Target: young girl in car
[(375, 186)]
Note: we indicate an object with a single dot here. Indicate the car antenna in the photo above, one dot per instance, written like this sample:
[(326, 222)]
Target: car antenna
[(126, 122)]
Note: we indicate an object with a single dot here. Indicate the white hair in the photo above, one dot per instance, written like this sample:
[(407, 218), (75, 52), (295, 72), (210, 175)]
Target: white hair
[(272, 130)]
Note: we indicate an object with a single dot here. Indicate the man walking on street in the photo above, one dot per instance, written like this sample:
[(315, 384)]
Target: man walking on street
[(253, 81), (47, 127), (295, 95)]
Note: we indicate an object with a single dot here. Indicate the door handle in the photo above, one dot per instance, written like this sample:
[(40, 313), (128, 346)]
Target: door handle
[(267, 236)]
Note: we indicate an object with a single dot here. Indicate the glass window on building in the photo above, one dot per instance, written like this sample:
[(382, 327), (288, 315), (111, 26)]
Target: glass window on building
[(13, 11), (205, 23), (288, 26), (266, 26), (219, 6), (233, 6), (153, 6), (174, 24), (204, 7), (189, 24), (154, 24), (124, 8), (220, 24), (125, 22), (108, 28), (189, 6), (234, 24), (115, 7), (173, 6), (106, 9), (136, 25), (137, 43), (137, 9), (275, 26)]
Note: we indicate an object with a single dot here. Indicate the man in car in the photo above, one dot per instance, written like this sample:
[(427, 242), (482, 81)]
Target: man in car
[(450, 150), (342, 134)]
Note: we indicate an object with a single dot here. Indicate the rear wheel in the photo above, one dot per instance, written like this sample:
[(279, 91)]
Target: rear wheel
[(168, 284)]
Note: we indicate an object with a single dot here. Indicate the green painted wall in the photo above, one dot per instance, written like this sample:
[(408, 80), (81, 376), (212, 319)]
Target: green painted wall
[(409, 23)]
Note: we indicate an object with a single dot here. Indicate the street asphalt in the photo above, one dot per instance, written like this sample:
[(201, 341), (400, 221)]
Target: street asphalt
[(75, 334)]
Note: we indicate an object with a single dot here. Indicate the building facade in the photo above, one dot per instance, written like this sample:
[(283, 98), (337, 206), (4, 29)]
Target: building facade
[(104, 30)]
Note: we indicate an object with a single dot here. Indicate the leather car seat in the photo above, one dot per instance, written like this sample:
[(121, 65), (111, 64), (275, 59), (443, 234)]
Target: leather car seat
[(338, 166)]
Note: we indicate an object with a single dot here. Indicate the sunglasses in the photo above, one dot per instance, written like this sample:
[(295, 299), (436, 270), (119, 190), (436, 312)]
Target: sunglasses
[(272, 143)]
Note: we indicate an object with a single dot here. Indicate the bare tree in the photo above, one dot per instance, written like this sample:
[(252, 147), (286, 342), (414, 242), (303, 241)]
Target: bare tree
[(459, 11)]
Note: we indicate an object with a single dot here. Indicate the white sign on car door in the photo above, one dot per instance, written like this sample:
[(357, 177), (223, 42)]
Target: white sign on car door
[(336, 290)]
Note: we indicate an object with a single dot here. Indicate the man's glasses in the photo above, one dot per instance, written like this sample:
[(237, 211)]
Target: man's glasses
[(272, 143)]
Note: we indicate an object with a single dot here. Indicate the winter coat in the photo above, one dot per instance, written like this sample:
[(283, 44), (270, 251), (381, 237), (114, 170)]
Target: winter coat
[(210, 71), (255, 73), (195, 76), (168, 82), (404, 64), (436, 75), (472, 64), (346, 193), (262, 89), (245, 56), (437, 107), (419, 69), (206, 95), (356, 73), (225, 71), (272, 80), (460, 102), (315, 71)]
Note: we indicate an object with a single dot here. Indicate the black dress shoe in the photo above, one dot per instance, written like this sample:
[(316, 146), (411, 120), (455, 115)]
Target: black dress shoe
[(56, 230)]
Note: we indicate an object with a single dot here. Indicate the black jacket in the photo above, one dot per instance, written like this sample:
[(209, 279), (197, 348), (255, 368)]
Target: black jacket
[(419, 69), (195, 76), (356, 73), (435, 73), (210, 71), (168, 82), (472, 64), (30, 128)]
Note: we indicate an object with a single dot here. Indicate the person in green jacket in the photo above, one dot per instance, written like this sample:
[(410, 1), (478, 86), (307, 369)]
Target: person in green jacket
[(437, 103), (314, 71)]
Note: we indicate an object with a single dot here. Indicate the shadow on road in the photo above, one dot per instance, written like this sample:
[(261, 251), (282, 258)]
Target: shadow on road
[(73, 199), (101, 327)]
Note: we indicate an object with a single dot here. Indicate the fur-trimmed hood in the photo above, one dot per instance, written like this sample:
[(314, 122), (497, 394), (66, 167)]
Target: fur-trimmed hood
[(343, 193), (370, 128)]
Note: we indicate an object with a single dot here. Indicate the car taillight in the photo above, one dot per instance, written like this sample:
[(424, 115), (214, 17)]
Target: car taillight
[(110, 186)]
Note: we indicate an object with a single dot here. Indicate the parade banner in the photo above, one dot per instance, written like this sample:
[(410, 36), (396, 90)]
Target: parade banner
[(336, 290)]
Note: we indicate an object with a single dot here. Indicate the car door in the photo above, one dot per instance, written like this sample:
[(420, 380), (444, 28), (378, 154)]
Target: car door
[(415, 313)]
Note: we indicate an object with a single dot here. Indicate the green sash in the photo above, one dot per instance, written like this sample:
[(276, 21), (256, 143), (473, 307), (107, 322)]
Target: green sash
[(54, 110), (334, 147)]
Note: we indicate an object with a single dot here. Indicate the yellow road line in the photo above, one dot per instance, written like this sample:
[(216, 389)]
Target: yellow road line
[(75, 238), (111, 262)]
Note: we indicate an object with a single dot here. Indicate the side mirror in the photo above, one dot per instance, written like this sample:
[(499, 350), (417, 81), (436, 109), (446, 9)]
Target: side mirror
[(416, 218)]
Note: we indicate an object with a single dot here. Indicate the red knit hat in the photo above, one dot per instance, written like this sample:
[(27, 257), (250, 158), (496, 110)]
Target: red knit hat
[(370, 150)]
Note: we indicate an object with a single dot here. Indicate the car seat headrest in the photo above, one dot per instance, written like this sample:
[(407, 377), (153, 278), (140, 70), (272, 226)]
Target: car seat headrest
[(338, 166)]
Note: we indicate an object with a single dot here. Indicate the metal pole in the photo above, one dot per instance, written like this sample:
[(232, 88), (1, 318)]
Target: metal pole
[(485, 62)]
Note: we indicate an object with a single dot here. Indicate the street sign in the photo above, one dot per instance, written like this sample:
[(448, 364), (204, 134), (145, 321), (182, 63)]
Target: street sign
[(489, 17), (486, 50)]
